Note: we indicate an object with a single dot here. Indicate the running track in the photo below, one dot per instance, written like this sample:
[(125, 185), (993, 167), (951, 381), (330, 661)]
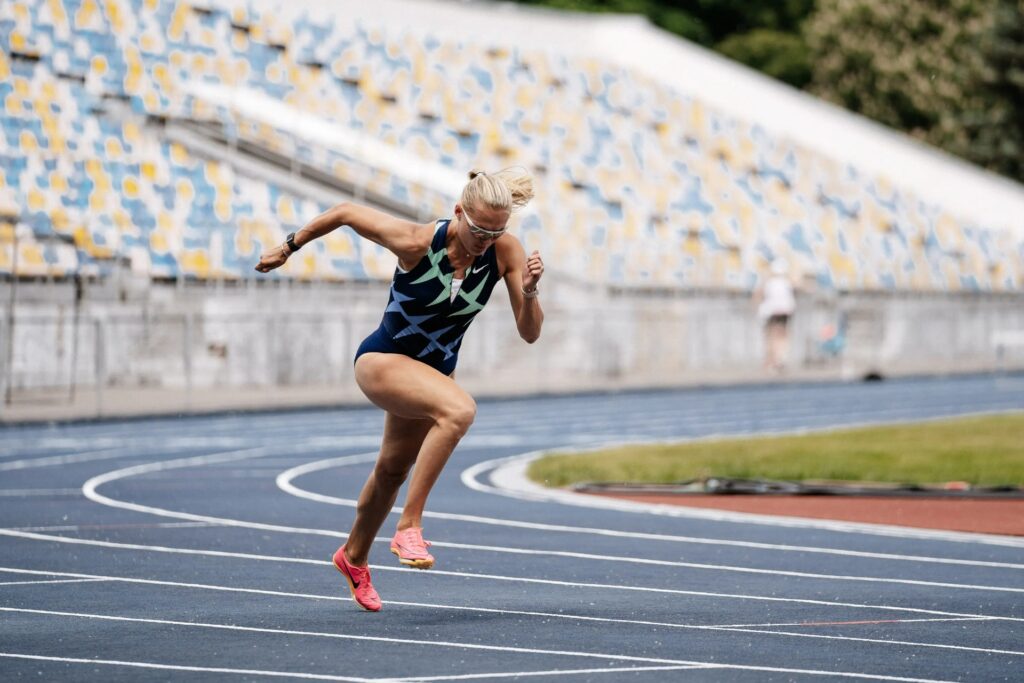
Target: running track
[(199, 549)]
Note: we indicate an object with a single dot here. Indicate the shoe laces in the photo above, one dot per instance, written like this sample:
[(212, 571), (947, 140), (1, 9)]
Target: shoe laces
[(359, 574), (412, 538)]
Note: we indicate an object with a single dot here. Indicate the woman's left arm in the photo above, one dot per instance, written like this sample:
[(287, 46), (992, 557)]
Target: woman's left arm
[(521, 277)]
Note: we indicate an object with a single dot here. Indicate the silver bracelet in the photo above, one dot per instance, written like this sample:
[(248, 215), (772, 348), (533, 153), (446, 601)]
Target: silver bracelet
[(532, 294)]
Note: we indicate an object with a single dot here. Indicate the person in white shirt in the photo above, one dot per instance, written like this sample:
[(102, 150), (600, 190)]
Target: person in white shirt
[(776, 305)]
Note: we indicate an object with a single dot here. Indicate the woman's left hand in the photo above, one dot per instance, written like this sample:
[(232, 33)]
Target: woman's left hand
[(274, 257), (532, 273)]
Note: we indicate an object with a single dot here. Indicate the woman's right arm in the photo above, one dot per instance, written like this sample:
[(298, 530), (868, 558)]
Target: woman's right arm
[(403, 238)]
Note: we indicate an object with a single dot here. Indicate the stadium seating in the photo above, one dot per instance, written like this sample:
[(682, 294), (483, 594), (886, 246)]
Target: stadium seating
[(638, 185)]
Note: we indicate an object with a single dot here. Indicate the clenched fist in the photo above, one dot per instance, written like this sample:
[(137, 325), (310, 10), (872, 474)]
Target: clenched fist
[(534, 269)]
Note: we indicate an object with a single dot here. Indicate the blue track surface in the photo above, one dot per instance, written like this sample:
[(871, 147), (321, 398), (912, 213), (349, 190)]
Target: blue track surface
[(192, 549)]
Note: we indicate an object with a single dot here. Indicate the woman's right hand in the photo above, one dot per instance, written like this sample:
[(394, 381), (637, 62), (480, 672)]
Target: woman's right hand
[(274, 257)]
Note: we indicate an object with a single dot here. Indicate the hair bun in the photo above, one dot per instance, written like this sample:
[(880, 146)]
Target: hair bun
[(509, 188)]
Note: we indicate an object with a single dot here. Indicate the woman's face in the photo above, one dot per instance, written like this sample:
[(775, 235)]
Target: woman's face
[(480, 227)]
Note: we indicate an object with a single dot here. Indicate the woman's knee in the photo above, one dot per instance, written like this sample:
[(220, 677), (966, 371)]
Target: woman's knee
[(391, 474), (459, 416)]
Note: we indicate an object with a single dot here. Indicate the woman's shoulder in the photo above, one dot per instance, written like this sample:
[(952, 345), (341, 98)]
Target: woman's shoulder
[(427, 233), (415, 247), (508, 245), (508, 250)]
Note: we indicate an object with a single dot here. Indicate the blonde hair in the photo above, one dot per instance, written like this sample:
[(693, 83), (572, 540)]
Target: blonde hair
[(509, 189)]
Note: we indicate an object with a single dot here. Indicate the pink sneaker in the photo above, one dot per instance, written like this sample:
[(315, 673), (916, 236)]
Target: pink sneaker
[(358, 582), (412, 549)]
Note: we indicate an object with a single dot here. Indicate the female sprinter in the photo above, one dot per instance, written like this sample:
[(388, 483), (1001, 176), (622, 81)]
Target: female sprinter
[(446, 271)]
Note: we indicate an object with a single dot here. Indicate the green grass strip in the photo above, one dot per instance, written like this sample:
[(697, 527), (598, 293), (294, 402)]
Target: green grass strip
[(984, 451)]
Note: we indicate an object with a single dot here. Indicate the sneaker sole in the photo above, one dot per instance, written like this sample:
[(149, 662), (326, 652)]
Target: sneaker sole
[(415, 564), (351, 588)]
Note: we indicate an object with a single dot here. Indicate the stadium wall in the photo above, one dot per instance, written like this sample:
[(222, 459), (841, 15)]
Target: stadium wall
[(212, 342), (196, 343)]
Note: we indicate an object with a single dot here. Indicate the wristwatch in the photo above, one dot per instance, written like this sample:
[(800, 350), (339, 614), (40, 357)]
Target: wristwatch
[(290, 241)]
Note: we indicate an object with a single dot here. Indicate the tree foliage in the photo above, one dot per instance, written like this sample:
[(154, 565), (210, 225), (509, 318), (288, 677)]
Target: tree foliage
[(704, 21), (781, 55), (765, 36), (948, 72), (995, 125)]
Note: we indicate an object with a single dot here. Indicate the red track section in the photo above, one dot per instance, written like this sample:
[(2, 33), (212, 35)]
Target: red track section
[(983, 516)]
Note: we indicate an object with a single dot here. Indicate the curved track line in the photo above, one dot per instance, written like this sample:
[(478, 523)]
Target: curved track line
[(285, 479), (89, 490), (90, 486)]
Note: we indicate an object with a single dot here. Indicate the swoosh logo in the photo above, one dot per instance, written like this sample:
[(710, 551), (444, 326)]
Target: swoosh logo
[(347, 575), (479, 268)]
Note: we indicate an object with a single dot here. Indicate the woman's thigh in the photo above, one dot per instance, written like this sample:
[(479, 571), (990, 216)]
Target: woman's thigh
[(407, 388)]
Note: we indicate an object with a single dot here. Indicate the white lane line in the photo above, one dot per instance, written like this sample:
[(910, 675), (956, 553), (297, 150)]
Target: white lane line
[(551, 672), (284, 481), (423, 679), (962, 648), (286, 478), (356, 637), (127, 448), (90, 486), (438, 572), (25, 583), (845, 623), (178, 667), (465, 646), (50, 461), (773, 408), (171, 439), (701, 409), (95, 527), (510, 480), (174, 442), (542, 615), (31, 493)]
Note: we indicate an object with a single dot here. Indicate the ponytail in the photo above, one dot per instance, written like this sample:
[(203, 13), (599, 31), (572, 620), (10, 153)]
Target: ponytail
[(510, 189)]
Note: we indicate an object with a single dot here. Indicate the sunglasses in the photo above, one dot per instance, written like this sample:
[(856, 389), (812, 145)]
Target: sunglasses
[(483, 232)]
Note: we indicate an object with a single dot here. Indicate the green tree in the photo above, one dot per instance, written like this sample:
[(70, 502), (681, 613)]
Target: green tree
[(781, 55), (724, 18), (995, 130), (947, 72), (707, 22), (905, 63), (666, 15)]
